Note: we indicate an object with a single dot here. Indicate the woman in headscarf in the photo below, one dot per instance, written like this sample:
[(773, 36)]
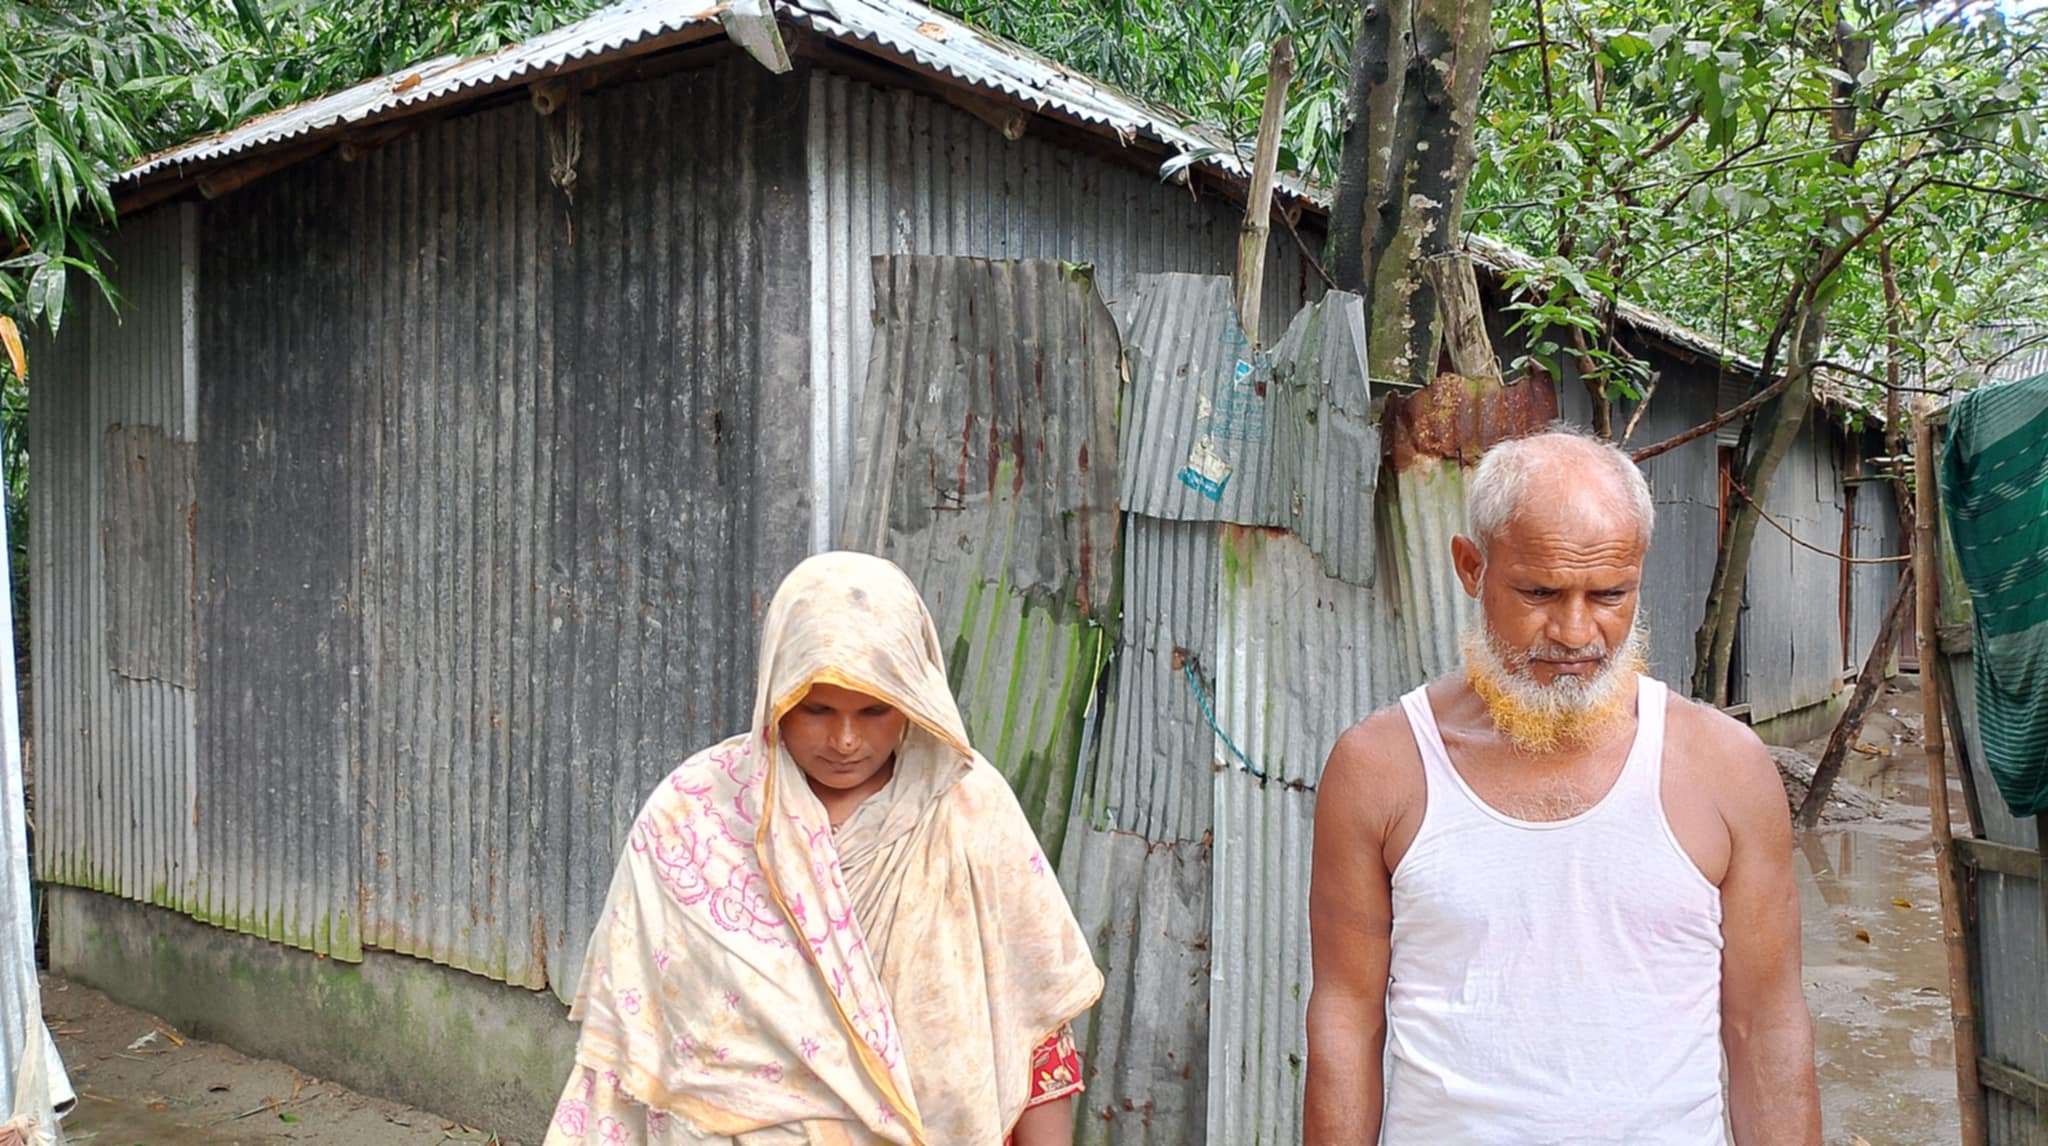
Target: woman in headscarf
[(837, 926)]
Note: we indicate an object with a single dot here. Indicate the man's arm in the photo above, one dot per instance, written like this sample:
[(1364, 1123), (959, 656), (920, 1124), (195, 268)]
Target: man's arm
[(1350, 911), (1765, 1027)]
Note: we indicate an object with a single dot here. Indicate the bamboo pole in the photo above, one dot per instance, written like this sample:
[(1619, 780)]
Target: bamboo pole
[(1258, 207), (1962, 1012)]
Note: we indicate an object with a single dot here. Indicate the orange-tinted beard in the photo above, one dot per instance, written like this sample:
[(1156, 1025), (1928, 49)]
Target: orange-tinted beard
[(1537, 719)]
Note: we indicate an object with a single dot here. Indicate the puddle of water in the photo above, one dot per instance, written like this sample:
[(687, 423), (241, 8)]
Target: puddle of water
[(1876, 972)]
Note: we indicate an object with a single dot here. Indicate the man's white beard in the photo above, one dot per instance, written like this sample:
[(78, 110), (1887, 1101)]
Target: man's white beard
[(1539, 717)]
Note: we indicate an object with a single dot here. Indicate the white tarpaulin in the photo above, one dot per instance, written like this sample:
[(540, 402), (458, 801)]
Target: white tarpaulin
[(32, 1079)]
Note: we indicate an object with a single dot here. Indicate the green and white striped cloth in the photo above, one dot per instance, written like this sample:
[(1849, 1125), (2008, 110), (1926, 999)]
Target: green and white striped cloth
[(1994, 487)]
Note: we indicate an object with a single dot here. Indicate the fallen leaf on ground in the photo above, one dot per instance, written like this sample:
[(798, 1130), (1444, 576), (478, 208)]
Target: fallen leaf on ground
[(1897, 902), (1863, 935)]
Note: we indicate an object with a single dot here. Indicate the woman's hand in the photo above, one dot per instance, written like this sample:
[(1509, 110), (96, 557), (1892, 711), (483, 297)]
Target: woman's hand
[(1047, 1124)]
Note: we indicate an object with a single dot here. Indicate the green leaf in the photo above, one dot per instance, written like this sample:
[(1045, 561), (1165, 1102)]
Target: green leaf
[(46, 294)]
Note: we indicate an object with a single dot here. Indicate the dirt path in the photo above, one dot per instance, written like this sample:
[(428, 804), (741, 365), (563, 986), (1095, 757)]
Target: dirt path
[(1875, 968), (142, 1083)]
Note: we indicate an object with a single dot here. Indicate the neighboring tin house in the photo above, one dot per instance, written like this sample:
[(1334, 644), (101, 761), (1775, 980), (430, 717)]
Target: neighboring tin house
[(417, 515)]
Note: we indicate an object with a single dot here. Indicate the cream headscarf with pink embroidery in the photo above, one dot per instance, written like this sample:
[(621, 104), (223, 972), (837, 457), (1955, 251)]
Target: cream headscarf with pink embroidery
[(758, 976)]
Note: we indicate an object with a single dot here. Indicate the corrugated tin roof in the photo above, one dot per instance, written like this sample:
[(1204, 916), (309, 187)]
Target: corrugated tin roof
[(436, 81), (901, 30)]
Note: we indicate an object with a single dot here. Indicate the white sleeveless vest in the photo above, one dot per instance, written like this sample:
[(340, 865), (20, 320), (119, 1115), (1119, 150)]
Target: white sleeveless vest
[(1555, 982)]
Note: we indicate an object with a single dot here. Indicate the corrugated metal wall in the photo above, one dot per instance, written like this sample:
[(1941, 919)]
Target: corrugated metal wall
[(894, 172), (1136, 864), (1873, 533), (492, 489), (2007, 930), (1242, 659), (1789, 654), (277, 851), (1303, 657), (115, 756), (987, 470), (587, 483)]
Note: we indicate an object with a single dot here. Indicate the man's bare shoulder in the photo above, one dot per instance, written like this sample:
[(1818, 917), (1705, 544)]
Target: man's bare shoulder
[(1375, 767), (1724, 758)]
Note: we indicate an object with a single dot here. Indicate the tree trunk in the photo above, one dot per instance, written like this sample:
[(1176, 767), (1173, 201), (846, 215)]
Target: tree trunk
[(1421, 215), (1408, 149), (1378, 57)]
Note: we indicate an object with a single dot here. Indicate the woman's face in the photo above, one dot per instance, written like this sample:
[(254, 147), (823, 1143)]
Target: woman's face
[(843, 740)]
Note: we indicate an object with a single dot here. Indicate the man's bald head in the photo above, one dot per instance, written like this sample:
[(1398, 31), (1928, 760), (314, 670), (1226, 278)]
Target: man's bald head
[(1561, 471)]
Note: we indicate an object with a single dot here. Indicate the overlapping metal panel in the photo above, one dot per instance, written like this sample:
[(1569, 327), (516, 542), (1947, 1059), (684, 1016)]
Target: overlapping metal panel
[(1241, 660), (1303, 657), (894, 172), (988, 472), (1136, 862), (1222, 431), (115, 756), (1428, 510)]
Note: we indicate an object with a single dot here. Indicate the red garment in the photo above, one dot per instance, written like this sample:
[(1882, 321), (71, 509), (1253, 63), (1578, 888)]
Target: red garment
[(1055, 1072)]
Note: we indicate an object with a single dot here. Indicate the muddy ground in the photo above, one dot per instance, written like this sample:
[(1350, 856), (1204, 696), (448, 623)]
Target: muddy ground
[(142, 1083), (1876, 970), (1875, 978)]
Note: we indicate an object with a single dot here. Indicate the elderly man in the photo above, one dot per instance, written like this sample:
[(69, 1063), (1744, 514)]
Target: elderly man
[(1548, 894)]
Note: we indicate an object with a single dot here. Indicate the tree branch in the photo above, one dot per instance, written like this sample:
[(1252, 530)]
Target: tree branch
[(1744, 409), (1981, 189)]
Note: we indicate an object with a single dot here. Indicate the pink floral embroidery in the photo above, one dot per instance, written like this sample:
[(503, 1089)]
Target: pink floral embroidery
[(662, 958), (657, 1122), (684, 1046), (573, 1117), (628, 1001), (611, 1079), (808, 1047), (721, 1052), (1037, 862), (732, 1001), (611, 1131), (743, 905), (589, 1086), (769, 1071)]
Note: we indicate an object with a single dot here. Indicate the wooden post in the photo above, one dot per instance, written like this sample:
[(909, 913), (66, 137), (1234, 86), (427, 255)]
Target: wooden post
[(1927, 575), (1258, 206)]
